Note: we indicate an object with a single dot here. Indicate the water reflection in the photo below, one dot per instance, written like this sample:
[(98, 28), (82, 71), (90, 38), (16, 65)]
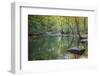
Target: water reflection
[(53, 47)]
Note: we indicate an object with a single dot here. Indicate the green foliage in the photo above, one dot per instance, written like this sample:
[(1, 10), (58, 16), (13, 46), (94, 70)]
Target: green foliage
[(67, 24)]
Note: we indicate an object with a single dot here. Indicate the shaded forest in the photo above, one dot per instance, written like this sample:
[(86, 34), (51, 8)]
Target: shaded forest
[(39, 25), (57, 37)]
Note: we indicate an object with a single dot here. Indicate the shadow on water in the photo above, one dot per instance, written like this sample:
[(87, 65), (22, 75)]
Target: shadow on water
[(54, 47)]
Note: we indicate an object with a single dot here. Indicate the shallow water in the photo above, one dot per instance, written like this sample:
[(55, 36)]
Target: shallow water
[(54, 47)]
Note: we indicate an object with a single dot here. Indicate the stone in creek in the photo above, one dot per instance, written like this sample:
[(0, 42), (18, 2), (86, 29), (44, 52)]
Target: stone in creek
[(75, 50)]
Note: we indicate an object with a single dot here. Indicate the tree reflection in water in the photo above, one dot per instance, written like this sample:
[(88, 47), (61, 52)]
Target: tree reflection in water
[(54, 47)]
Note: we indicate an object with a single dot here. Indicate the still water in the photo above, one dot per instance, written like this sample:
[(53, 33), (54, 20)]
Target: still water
[(54, 47)]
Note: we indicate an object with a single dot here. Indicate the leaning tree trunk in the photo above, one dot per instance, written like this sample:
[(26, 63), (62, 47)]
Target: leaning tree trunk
[(77, 26)]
